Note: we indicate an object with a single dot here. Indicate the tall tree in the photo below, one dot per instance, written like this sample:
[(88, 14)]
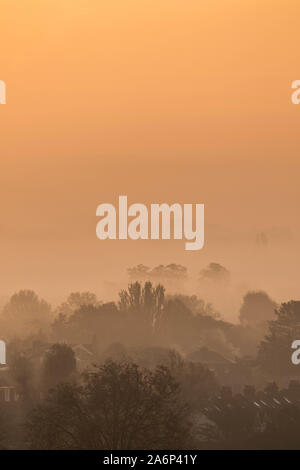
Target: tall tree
[(145, 302)]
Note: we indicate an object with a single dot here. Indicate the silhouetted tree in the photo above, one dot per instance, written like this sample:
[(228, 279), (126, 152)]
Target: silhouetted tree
[(77, 300), (215, 272), (89, 322), (159, 273), (26, 314), (22, 373), (172, 275), (274, 354), (257, 309), (119, 406), (59, 364), (145, 303), (196, 305)]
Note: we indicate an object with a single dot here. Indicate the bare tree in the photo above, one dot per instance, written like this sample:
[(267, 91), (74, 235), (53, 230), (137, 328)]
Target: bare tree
[(119, 406)]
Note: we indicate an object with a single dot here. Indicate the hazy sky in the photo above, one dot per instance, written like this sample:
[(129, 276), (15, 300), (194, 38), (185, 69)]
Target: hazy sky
[(164, 101)]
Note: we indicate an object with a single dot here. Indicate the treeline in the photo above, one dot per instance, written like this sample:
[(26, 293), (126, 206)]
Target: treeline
[(189, 378), (145, 316), (121, 405)]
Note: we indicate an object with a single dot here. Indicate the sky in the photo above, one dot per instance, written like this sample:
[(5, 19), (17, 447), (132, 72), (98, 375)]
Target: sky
[(163, 101)]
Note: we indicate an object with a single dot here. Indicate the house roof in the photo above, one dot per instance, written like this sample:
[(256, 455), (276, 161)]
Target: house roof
[(207, 356)]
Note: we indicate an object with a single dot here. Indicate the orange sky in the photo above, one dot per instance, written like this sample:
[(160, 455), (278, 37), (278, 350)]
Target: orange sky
[(166, 100)]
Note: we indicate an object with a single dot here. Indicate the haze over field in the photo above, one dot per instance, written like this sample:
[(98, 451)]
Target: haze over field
[(163, 102)]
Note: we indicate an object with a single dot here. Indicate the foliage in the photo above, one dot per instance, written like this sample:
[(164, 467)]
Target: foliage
[(274, 354), (119, 406), (59, 364), (25, 314)]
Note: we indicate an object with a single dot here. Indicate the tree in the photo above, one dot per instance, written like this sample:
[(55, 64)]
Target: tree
[(120, 406), (274, 354), (75, 301), (257, 309), (145, 303), (59, 364), (215, 272), (87, 323), (22, 372), (172, 275), (160, 273), (26, 314), (198, 384), (196, 305)]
